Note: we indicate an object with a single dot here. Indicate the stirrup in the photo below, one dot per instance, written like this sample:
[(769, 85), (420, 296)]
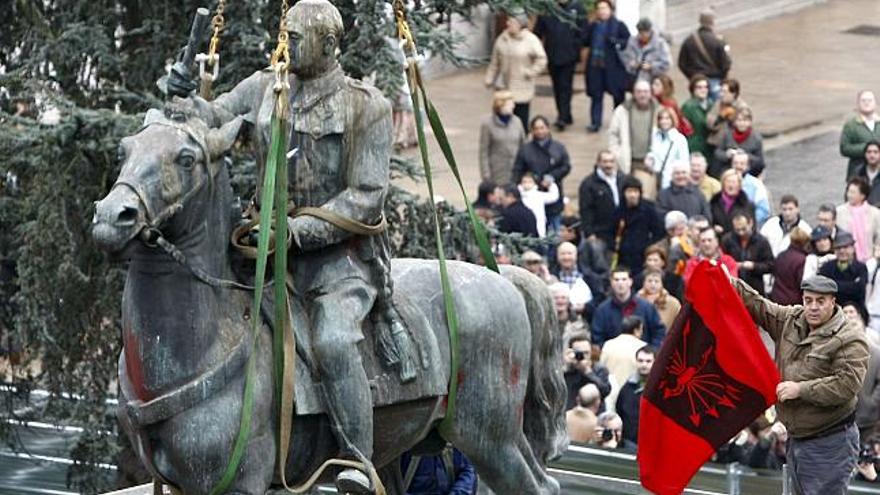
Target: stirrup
[(353, 481)]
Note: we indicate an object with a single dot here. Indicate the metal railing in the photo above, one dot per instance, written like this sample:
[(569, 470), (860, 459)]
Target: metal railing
[(617, 472)]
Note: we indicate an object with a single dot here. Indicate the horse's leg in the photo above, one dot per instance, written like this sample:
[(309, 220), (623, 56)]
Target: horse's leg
[(488, 424)]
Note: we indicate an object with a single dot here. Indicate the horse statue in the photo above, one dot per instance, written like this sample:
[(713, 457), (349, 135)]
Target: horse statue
[(187, 327)]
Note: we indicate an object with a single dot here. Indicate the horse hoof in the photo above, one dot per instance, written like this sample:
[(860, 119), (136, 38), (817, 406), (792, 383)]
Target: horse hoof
[(354, 482)]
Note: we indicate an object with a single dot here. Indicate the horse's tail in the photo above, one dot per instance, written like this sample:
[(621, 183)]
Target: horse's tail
[(544, 411)]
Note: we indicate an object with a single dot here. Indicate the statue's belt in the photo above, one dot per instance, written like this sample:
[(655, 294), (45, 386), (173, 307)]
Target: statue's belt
[(201, 388), (343, 222)]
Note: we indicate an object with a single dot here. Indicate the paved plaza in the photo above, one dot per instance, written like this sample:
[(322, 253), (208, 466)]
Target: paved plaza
[(800, 72)]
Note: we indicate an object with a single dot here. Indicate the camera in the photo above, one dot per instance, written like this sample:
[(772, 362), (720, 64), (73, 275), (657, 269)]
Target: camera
[(866, 454), (579, 355), (607, 434)]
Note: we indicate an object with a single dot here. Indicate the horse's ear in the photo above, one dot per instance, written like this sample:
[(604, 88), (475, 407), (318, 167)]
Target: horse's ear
[(220, 140), (153, 115)]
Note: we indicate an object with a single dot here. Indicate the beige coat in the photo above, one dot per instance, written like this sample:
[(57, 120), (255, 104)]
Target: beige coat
[(516, 63), (498, 146), (619, 141), (829, 362), (872, 230), (667, 305)]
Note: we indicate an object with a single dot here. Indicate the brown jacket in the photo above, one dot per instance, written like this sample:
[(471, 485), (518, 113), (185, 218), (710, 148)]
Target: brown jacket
[(829, 362)]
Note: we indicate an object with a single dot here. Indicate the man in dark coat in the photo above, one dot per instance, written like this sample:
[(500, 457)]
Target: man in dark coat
[(608, 318), (447, 473), (515, 216), (850, 274), (682, 195), (638, 225), (562, 41), (706, 53), (605, 37), (630, 396), (546, 159), (598, 197), (752, 252), (871, 171)]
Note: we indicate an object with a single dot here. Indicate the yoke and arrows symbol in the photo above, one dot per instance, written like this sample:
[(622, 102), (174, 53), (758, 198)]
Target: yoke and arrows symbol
[(705, 390)]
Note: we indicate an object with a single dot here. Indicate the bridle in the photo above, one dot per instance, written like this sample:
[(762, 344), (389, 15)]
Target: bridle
[(149, 231)]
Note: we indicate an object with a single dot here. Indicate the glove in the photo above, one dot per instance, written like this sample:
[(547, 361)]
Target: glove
[(179, 82)]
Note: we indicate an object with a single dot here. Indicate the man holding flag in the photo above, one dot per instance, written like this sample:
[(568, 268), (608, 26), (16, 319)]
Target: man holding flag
[(713, 376), (822, 359)]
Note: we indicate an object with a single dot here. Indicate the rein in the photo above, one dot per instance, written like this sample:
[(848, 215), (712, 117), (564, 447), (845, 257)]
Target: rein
[(150, 233)]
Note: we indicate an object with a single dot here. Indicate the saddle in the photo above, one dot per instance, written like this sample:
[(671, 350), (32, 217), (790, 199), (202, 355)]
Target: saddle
[(386, 385)]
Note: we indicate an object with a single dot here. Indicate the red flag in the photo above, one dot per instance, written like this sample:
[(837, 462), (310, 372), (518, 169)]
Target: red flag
[(712, 378)]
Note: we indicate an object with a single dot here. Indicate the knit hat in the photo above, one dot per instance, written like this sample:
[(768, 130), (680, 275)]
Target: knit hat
[(630, 182), (644, 25)]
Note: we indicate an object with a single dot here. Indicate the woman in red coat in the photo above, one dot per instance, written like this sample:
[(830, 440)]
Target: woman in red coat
[(788, 270)]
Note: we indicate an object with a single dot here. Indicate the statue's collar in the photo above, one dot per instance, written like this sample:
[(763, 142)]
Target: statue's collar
[(307, 93)]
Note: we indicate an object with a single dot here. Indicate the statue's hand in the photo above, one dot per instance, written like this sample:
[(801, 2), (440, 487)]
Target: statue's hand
[(179, 82)]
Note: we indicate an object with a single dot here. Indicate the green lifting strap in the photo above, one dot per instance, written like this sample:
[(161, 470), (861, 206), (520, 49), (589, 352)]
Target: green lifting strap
[(417, 89), (274, 183)]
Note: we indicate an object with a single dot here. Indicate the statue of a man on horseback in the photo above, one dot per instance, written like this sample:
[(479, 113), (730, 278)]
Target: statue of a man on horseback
[(190, 340), (340, 144)]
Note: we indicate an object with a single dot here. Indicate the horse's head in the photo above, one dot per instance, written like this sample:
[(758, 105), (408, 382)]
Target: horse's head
[(169, 161)]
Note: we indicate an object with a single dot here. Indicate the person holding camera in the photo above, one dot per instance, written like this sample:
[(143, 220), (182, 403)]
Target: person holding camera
[(769, 451), (609, 433), (580, 369), (866, 467)]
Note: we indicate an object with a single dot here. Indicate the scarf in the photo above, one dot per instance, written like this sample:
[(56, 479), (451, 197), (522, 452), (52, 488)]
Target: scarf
[(598, 42), (727, 201), (505, 119), (859, 231), (658, 300), (740, 137)]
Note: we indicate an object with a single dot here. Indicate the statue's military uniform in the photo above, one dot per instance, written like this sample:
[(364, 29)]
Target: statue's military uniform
[(342, 129)]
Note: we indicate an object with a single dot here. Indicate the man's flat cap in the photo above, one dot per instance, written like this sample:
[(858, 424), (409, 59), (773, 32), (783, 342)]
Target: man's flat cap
[(820, 285)]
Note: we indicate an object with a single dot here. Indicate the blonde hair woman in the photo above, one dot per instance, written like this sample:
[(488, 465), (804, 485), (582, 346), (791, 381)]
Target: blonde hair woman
[(729, 202), (653, 291), (501, 134)]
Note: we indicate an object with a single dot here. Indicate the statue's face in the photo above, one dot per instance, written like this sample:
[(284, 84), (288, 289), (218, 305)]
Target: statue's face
[(312, 49)]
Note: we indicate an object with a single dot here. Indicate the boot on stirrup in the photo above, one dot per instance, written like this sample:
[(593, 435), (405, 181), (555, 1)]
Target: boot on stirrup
[(354, 482)]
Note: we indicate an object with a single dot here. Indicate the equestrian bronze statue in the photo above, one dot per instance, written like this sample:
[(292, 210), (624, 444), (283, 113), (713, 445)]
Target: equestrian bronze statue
[(372, 343)]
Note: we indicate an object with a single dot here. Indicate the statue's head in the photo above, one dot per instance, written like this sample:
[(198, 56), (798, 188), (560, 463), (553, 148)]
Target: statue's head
[(166, 163), (315, 27)]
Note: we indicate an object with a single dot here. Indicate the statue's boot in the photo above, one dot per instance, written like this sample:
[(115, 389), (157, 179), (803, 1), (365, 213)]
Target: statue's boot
[(352, 406)]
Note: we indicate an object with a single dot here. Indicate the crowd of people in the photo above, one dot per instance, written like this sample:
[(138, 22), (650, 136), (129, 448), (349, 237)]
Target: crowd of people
[(674, 185)]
